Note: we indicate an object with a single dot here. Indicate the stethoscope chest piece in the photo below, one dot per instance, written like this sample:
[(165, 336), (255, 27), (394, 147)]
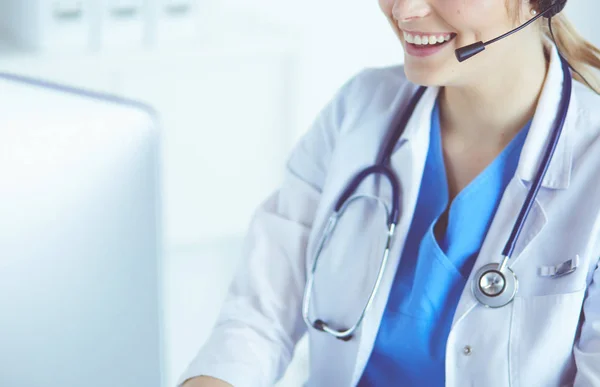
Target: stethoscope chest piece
[(494, 288)]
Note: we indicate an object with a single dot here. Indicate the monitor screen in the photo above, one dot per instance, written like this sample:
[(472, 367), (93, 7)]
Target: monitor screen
[(79, 239)]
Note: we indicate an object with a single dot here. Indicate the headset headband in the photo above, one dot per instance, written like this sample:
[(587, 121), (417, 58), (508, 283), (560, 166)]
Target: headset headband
[(556, 9)]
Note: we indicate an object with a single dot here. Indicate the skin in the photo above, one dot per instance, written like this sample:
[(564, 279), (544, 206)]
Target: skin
[(206, 381), (485, 100)]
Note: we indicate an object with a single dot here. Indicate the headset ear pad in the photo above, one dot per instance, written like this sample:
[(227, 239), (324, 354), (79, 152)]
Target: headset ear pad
[(556, 9)]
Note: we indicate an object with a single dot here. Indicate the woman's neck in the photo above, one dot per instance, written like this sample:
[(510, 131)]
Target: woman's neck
[(493, 109)]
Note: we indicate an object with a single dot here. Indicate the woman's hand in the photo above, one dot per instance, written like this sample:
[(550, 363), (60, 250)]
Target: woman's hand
[(205, 381)]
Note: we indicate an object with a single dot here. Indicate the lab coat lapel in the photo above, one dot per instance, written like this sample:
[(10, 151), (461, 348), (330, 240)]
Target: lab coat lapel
[(408, 162), (557, 177)]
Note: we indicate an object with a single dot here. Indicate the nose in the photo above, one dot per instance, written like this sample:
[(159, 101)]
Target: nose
[(407, 10)]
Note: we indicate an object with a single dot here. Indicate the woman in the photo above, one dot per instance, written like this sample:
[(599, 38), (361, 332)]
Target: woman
[(465, 162)]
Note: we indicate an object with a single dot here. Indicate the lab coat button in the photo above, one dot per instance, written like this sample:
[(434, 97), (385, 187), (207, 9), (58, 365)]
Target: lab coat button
[(467, 350)]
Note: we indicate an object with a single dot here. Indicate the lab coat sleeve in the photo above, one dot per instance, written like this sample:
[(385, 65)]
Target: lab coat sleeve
[(587, 348), (260, 322)]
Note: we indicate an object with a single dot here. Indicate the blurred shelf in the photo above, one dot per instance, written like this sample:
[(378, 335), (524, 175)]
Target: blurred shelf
[(226, 33)]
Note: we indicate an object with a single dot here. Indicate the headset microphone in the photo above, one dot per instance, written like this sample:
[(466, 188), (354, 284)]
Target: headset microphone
[(550, 10)]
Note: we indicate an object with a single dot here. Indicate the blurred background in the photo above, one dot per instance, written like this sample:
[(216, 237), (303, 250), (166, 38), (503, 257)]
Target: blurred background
[(235, 83)]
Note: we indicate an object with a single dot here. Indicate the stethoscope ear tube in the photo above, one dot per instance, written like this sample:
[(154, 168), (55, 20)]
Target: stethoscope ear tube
[(400, 121), (559, 123), (394, 213), (486, 282)]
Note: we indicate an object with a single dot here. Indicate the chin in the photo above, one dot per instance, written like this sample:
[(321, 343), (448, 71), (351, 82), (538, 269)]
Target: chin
[(421, 75)]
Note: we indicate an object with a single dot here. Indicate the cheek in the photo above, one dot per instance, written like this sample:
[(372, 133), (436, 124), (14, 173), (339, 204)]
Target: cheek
[(386, 7), (475, 17), (474, 8)]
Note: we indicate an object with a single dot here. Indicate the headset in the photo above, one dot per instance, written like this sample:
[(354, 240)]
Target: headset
[(554, 8), (548, 9)]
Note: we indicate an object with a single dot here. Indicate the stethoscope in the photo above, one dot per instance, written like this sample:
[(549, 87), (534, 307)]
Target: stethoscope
[(494, 285)]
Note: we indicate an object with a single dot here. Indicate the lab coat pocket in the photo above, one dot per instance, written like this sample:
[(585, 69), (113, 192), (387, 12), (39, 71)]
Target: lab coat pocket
[(542, 336), (535, 279)]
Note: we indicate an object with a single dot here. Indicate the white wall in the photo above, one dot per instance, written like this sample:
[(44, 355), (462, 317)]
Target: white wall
[(582, 15), (335, 39)]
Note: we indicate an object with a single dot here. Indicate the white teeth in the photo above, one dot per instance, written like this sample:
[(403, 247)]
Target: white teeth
[(425, 39)]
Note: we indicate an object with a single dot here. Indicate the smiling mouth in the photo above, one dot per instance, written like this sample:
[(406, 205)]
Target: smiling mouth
[(427, 40)]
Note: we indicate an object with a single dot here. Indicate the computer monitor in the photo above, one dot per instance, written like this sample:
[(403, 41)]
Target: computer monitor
[(79, 239)]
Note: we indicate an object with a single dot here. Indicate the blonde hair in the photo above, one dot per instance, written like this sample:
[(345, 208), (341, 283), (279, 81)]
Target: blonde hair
[(582, 55)]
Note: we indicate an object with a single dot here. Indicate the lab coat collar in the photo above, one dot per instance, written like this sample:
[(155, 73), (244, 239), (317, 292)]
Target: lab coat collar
[(558, 175), (419, 123)]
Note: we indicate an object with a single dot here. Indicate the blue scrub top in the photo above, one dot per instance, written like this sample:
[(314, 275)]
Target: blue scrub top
[(410, 346)]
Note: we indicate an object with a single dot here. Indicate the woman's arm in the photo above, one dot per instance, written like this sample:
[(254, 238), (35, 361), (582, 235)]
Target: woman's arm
[(587, 348), (206, 381)]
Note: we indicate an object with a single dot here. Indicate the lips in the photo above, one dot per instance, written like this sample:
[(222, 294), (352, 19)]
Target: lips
[(422, 38), (426, 44)]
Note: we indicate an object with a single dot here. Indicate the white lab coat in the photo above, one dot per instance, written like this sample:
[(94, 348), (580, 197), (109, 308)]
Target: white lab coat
[(540, 339)]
